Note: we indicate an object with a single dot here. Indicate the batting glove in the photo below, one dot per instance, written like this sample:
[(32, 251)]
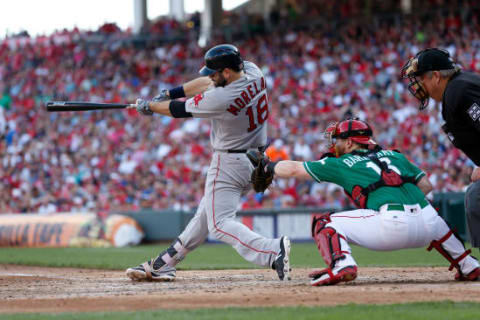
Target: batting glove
[(162, 96), (143, 107)]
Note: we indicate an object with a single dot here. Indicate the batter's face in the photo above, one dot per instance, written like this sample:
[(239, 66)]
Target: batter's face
[(219, 79)]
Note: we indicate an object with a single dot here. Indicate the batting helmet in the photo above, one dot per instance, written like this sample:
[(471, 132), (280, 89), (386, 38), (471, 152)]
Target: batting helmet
[(355, 129), (221, 57)]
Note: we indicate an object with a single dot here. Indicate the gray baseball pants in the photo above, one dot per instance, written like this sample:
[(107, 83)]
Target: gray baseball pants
[(472, 209), (227, 181)]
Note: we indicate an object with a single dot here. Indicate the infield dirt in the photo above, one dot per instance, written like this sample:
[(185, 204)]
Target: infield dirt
[(37, 289)]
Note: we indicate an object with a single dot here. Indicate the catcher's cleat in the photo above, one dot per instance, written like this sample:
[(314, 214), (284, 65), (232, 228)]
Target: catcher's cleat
[(472, 276), (282, 261), (146, 272), (328, 276)]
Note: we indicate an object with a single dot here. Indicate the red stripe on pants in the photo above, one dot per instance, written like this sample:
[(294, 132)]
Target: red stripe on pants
[(215, 222)]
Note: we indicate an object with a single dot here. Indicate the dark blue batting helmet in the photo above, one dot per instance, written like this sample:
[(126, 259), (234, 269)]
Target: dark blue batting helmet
[(221, 57)]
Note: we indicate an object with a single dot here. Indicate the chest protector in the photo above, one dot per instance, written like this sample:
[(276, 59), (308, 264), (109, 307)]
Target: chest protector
[(388, 178)]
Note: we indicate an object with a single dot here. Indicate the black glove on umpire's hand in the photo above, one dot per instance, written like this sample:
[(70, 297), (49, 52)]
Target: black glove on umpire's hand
[(262, 175)]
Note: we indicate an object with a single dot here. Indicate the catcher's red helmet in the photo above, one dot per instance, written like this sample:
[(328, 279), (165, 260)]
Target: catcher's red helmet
[(355, 129)]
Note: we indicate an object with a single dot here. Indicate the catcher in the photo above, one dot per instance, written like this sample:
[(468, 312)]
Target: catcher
[(390, 193)]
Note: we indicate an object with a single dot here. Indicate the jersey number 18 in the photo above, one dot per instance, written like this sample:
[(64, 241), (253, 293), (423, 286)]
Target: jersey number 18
[(262, 113)]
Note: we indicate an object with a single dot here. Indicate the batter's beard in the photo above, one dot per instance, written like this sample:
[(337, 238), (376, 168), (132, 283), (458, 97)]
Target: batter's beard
[(221, 82)]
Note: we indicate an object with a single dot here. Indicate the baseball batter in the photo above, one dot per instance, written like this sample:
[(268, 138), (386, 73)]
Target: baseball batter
[(390, 191), (233, 94)]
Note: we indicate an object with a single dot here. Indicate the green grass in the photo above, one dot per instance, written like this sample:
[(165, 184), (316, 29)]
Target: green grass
[(208, 256), (221, 256), (445, 310)]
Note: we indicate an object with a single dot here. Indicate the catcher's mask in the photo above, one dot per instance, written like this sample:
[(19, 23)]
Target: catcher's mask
[(328, 136), (355, 129), (430, 59)]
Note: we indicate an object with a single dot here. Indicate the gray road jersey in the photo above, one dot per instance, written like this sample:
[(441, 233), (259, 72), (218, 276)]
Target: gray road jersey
[(238, 111)]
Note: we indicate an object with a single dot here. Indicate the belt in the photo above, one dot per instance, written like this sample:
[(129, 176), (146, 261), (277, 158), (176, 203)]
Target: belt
[(261, 149), (400, 207), (395, 207), (236, 151)]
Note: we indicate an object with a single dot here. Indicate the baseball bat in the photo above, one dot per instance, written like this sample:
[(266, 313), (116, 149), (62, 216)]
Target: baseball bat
[(59, 106)]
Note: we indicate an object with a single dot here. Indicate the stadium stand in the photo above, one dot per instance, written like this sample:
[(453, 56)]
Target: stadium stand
[(325, 67)]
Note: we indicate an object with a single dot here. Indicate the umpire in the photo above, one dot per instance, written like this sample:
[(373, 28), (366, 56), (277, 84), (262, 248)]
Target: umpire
[(432, 73)]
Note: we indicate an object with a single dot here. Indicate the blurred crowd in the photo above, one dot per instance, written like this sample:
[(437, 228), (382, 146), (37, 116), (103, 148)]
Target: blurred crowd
[(118, 160)]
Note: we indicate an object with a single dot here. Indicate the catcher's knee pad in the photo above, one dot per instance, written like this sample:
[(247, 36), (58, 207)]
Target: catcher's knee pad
[(319, 221), (327, 240), (454, 240)]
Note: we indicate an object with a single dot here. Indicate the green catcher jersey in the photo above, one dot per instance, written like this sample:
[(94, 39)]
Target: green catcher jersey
[(350, 170)]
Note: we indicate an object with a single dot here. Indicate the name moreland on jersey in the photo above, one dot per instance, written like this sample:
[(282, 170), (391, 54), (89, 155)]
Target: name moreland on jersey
[(238, 111), (246, 96)]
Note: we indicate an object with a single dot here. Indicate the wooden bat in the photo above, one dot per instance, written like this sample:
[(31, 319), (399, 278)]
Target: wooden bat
[(60, 106)]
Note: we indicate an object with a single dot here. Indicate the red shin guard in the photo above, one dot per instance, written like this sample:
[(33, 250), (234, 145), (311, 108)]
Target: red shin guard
[(437, 244), (327, 240)]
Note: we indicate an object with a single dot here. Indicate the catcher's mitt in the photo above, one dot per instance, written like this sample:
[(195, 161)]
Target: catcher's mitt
[(262, 175)]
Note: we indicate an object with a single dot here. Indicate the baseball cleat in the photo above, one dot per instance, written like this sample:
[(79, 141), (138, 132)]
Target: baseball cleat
[(472, 276), (282, 261), (146, 272), (328, 276)]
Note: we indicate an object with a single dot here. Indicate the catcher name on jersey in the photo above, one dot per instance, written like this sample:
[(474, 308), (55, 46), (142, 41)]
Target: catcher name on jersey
[(350, 170), (352, 159)]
